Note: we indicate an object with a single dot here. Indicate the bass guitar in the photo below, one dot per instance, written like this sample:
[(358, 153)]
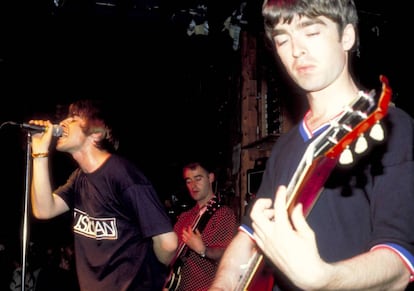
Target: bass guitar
[(332, 146), (174, 277)]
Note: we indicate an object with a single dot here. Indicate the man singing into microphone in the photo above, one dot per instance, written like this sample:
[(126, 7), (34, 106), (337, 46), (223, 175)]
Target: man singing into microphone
[(123, 236)]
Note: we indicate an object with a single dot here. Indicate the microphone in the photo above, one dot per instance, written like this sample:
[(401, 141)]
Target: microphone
[(56, 130)]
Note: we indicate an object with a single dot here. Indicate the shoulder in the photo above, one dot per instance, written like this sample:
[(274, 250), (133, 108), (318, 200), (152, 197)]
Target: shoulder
[(399, 124), (292, 137), (116, 159), (225, 210), (289, 146), (291, 133), (400, 117), (187, 213), (399, 136), (126, 169)]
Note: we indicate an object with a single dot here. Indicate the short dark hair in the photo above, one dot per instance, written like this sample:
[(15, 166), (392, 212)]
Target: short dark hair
[(98, 119), (194, 164), (342, 12)]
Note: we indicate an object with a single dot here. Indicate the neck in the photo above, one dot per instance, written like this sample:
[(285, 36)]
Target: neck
[(204, 202), (328, 103), (91, 161)]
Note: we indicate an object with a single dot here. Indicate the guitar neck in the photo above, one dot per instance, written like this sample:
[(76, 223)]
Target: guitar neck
[(307, 190)]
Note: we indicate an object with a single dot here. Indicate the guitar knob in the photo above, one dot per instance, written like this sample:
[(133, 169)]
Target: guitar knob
[(361, 144), (377, 132), (346, 157)]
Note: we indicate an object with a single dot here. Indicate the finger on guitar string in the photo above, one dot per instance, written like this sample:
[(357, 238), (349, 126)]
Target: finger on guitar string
[(280, 205)]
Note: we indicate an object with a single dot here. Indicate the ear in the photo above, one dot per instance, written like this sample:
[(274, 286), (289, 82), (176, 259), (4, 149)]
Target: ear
[(348, 37), (211, 177), (97, 136)]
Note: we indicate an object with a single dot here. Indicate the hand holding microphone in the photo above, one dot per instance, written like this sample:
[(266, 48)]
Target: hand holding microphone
[(56, 129), (41, 142)]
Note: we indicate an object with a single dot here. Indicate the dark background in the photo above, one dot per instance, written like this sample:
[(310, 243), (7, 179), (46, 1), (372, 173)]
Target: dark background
[(174, 93)]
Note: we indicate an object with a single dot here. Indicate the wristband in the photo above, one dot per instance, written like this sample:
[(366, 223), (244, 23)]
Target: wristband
[(40, 155)]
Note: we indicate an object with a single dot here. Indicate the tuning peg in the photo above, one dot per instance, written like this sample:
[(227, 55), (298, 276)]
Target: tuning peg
[(377, 132), (346, 157), (361, 144)]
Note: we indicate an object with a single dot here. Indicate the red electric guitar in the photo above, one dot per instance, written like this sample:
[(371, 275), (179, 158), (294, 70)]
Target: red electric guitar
[(321, 156)]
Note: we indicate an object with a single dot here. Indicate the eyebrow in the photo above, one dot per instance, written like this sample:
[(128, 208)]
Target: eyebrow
[(196, 176), (302, 24), (74, 113)]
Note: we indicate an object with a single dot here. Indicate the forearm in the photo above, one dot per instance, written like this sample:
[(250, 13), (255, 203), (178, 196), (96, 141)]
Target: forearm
[(233, 263), (376, 270), (165, 246), (41, 192)]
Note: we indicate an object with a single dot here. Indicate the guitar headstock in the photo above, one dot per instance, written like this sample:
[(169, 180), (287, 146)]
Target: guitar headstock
[(363, 114), (213, 205)]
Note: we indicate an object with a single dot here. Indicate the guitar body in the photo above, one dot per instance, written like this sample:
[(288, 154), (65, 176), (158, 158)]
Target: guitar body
[(263, 281), (174, 278)]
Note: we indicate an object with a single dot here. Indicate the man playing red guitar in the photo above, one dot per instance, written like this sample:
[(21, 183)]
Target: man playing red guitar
[(355, 232), (204, 232)]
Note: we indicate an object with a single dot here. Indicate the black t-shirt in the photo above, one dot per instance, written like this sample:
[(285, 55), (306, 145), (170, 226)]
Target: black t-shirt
[(116, 213)]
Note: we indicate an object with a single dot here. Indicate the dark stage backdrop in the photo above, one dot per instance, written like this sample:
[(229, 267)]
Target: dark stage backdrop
[(170, 89)]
